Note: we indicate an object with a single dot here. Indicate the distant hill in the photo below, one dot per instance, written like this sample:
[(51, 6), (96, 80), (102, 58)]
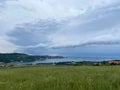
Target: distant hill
[(18, 57)]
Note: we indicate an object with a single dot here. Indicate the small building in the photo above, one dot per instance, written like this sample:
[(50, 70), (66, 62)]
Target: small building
[(114, 62)]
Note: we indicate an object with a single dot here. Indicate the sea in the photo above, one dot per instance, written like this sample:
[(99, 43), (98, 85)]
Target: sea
[(68, 59)]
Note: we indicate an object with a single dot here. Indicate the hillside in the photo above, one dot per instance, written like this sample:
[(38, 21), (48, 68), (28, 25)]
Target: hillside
[(60, 78), (13, 57)]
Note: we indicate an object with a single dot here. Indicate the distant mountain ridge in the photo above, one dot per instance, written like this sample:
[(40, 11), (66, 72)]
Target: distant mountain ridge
[(21, 57)]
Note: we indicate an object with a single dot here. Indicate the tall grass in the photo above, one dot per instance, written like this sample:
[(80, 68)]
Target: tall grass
[(60, 78)]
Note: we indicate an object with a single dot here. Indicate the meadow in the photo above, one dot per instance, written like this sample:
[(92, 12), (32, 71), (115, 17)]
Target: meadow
[(60, 78)]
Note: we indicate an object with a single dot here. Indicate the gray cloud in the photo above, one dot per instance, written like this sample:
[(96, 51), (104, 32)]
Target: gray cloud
[(50, 36), (97, 26), (46, 28), (33, 34)]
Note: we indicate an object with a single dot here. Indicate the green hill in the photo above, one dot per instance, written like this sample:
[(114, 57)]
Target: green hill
[(13, 57)]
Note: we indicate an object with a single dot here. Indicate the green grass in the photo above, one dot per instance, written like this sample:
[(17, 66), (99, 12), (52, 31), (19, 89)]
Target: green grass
[(60, 78)]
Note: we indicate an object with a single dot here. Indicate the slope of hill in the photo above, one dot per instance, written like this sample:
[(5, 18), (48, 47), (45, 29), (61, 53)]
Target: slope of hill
[(17, 57)]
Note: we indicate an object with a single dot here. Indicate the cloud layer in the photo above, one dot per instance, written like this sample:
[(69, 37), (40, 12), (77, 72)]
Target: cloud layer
[(51, 26)]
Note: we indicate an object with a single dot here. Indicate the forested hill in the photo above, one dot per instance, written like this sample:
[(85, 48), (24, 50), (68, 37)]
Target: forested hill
[(13, 57)]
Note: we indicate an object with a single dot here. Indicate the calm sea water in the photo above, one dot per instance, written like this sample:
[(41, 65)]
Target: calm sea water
[(69, 59)]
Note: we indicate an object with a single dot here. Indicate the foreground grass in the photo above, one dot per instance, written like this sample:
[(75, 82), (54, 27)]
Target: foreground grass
[(60, 78)]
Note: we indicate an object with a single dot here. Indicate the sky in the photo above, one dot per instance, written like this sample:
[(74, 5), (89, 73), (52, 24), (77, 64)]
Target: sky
[(62, 27)]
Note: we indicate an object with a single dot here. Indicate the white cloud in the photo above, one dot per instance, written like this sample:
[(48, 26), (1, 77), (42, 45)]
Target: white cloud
[(6, 46), (99, 26), (78, 22)]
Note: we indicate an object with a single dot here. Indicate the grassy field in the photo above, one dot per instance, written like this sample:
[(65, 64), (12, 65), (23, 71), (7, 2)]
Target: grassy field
[(60, 78)]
